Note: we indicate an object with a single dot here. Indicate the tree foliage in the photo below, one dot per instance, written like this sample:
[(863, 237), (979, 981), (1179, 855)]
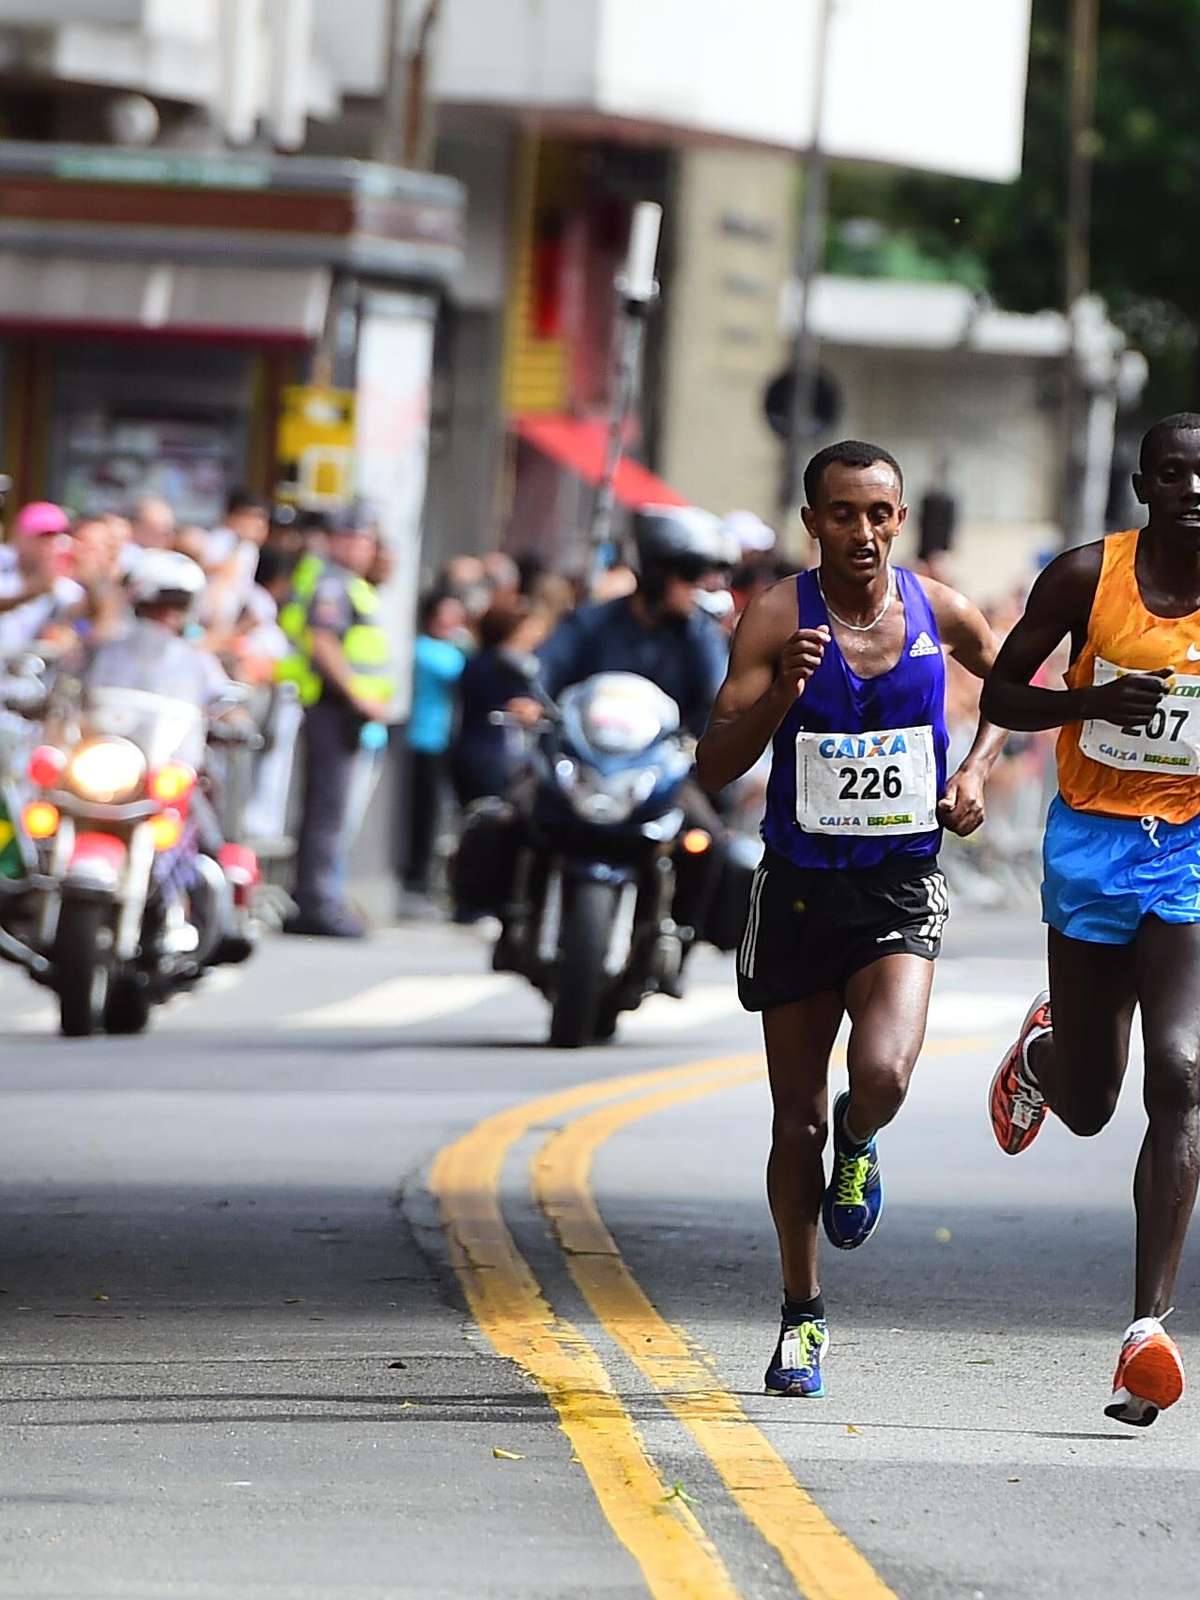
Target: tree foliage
[(1145, 234)]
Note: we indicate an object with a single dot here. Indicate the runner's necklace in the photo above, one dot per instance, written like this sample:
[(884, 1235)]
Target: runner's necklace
[(862, 627)]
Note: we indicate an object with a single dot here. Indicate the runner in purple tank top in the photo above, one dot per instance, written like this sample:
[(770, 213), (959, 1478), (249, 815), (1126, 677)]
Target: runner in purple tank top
[(842, 670)]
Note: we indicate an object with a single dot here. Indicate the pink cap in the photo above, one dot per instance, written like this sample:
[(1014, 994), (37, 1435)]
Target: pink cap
[(41, 516)]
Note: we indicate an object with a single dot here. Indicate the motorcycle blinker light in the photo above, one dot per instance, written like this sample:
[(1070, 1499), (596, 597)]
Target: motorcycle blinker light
[(166, 830), (171, 783), (41, 819)]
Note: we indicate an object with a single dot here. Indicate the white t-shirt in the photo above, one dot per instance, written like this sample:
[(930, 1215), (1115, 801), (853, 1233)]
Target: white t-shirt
[(219, 546), (228, 594), (21, 627)]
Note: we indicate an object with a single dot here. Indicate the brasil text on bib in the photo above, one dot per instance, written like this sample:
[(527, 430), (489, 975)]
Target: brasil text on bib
[(1170, 741), (866, 784)]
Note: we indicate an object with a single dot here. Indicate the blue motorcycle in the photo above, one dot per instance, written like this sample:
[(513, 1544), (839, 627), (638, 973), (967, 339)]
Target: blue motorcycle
[(592, 837)]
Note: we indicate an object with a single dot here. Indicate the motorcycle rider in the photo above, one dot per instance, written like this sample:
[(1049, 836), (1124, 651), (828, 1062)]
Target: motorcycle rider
[(662, 631), (152, 653)]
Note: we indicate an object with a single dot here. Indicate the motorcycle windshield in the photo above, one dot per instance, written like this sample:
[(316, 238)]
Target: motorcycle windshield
[(618, 714), (163, 728)]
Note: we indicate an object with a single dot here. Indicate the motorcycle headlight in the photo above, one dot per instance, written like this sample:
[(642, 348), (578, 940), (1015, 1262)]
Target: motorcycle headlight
[(106, 770), (607, 800)]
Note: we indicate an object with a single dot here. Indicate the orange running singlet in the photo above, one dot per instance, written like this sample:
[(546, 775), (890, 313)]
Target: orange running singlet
[(1154, 772)]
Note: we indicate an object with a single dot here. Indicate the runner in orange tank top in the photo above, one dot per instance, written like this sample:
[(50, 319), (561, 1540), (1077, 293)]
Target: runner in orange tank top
[(1121, 893)]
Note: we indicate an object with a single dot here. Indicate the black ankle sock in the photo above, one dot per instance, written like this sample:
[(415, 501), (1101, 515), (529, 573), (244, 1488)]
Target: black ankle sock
[(794, 1311)]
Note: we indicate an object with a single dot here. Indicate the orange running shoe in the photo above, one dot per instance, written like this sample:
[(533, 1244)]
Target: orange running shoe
[(1017, 1105), (1149, 1375)]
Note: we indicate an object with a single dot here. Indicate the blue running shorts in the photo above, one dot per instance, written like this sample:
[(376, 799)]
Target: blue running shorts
[(1103, 875)]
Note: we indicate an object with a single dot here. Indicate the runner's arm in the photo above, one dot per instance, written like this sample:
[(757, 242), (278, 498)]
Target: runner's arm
[(767, 672), (1060, 604), (968, 635)]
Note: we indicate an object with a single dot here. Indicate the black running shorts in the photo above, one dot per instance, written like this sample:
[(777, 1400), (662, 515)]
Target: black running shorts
[(809, 931)]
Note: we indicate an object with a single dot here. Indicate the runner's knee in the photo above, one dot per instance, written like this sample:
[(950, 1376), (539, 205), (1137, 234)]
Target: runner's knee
[(1172, 1084), (800, 1130), (880, 1082), (1087, 1118)]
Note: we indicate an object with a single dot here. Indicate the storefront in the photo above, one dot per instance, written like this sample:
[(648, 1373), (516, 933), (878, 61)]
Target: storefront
[(153, 306)]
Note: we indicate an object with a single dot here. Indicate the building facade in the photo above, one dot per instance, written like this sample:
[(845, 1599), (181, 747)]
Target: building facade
[(558, 117)]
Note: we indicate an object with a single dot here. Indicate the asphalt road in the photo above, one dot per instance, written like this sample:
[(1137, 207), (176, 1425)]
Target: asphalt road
[(340, 1283)]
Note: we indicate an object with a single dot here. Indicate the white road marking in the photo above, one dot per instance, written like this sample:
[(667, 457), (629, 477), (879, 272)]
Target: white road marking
[(975, 1011), (704, 1002), (181, 1008), (952, 1011), (43, 1020), (405, 1001), (402, 1001)]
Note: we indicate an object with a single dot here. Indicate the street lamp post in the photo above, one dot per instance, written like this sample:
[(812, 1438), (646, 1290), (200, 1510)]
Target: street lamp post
[(637, 290)]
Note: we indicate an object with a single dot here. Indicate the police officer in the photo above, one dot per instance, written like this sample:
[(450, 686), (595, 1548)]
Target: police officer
[(342, 668), (661, 631), (664, 632)]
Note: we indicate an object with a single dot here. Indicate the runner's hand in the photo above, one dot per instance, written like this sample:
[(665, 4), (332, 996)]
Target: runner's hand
[(801, 657), (1130, 701), (961, 808)]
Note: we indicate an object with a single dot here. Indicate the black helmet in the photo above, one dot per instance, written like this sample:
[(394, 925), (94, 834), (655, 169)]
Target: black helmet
[(678, 542)]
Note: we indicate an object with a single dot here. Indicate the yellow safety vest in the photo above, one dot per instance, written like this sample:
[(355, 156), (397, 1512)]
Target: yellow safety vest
[(366, 645), (293, 615)]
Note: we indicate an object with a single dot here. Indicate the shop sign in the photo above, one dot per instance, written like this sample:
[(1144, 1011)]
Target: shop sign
[(315, 445), (179, 171)]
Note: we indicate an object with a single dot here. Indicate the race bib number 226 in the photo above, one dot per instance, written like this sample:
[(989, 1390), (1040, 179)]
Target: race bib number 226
[(866, 784)]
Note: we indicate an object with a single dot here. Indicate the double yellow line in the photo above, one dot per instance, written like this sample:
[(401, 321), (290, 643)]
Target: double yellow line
[(677, 1559)]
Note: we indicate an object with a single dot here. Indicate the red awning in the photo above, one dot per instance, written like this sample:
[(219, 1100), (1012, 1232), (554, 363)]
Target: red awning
[(580, 447)]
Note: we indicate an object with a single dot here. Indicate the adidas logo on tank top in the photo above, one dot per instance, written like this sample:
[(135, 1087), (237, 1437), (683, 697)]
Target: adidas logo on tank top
[(923, 645)]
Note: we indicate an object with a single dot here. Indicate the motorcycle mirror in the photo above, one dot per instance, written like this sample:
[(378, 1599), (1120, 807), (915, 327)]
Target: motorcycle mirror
[(524, 662)]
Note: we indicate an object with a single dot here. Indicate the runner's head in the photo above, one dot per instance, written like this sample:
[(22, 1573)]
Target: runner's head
[(1169, 478), (855, 507)]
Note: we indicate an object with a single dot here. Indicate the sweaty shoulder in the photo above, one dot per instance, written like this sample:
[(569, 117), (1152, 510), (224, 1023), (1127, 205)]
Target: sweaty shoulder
[(947, 604), (1065, 590), (772, 617)]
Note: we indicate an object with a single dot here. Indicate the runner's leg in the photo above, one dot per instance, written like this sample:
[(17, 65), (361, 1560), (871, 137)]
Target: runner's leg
[(888, 1006), (1081, 1066), (799, 1039), (1164, 1188)]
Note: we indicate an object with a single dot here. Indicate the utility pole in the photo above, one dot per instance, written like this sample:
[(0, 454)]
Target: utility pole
[(637, 290), (419, 122), (1081, 76), (405, 134), (393, 115), (810, 256)]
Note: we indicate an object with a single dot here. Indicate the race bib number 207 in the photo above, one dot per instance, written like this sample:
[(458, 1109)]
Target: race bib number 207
[(866, 784), (1169, 743)]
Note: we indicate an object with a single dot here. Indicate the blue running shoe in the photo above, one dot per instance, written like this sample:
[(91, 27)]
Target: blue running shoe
[(853, 1200), (796, 1365)]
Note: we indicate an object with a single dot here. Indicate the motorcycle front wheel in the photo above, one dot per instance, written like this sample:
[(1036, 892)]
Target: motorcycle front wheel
[(81, 963), (126, 1006), (583, 944)]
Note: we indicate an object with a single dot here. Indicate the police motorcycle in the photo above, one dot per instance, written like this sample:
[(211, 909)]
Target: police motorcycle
[(122, 906), (607, 867), (584, 855)]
